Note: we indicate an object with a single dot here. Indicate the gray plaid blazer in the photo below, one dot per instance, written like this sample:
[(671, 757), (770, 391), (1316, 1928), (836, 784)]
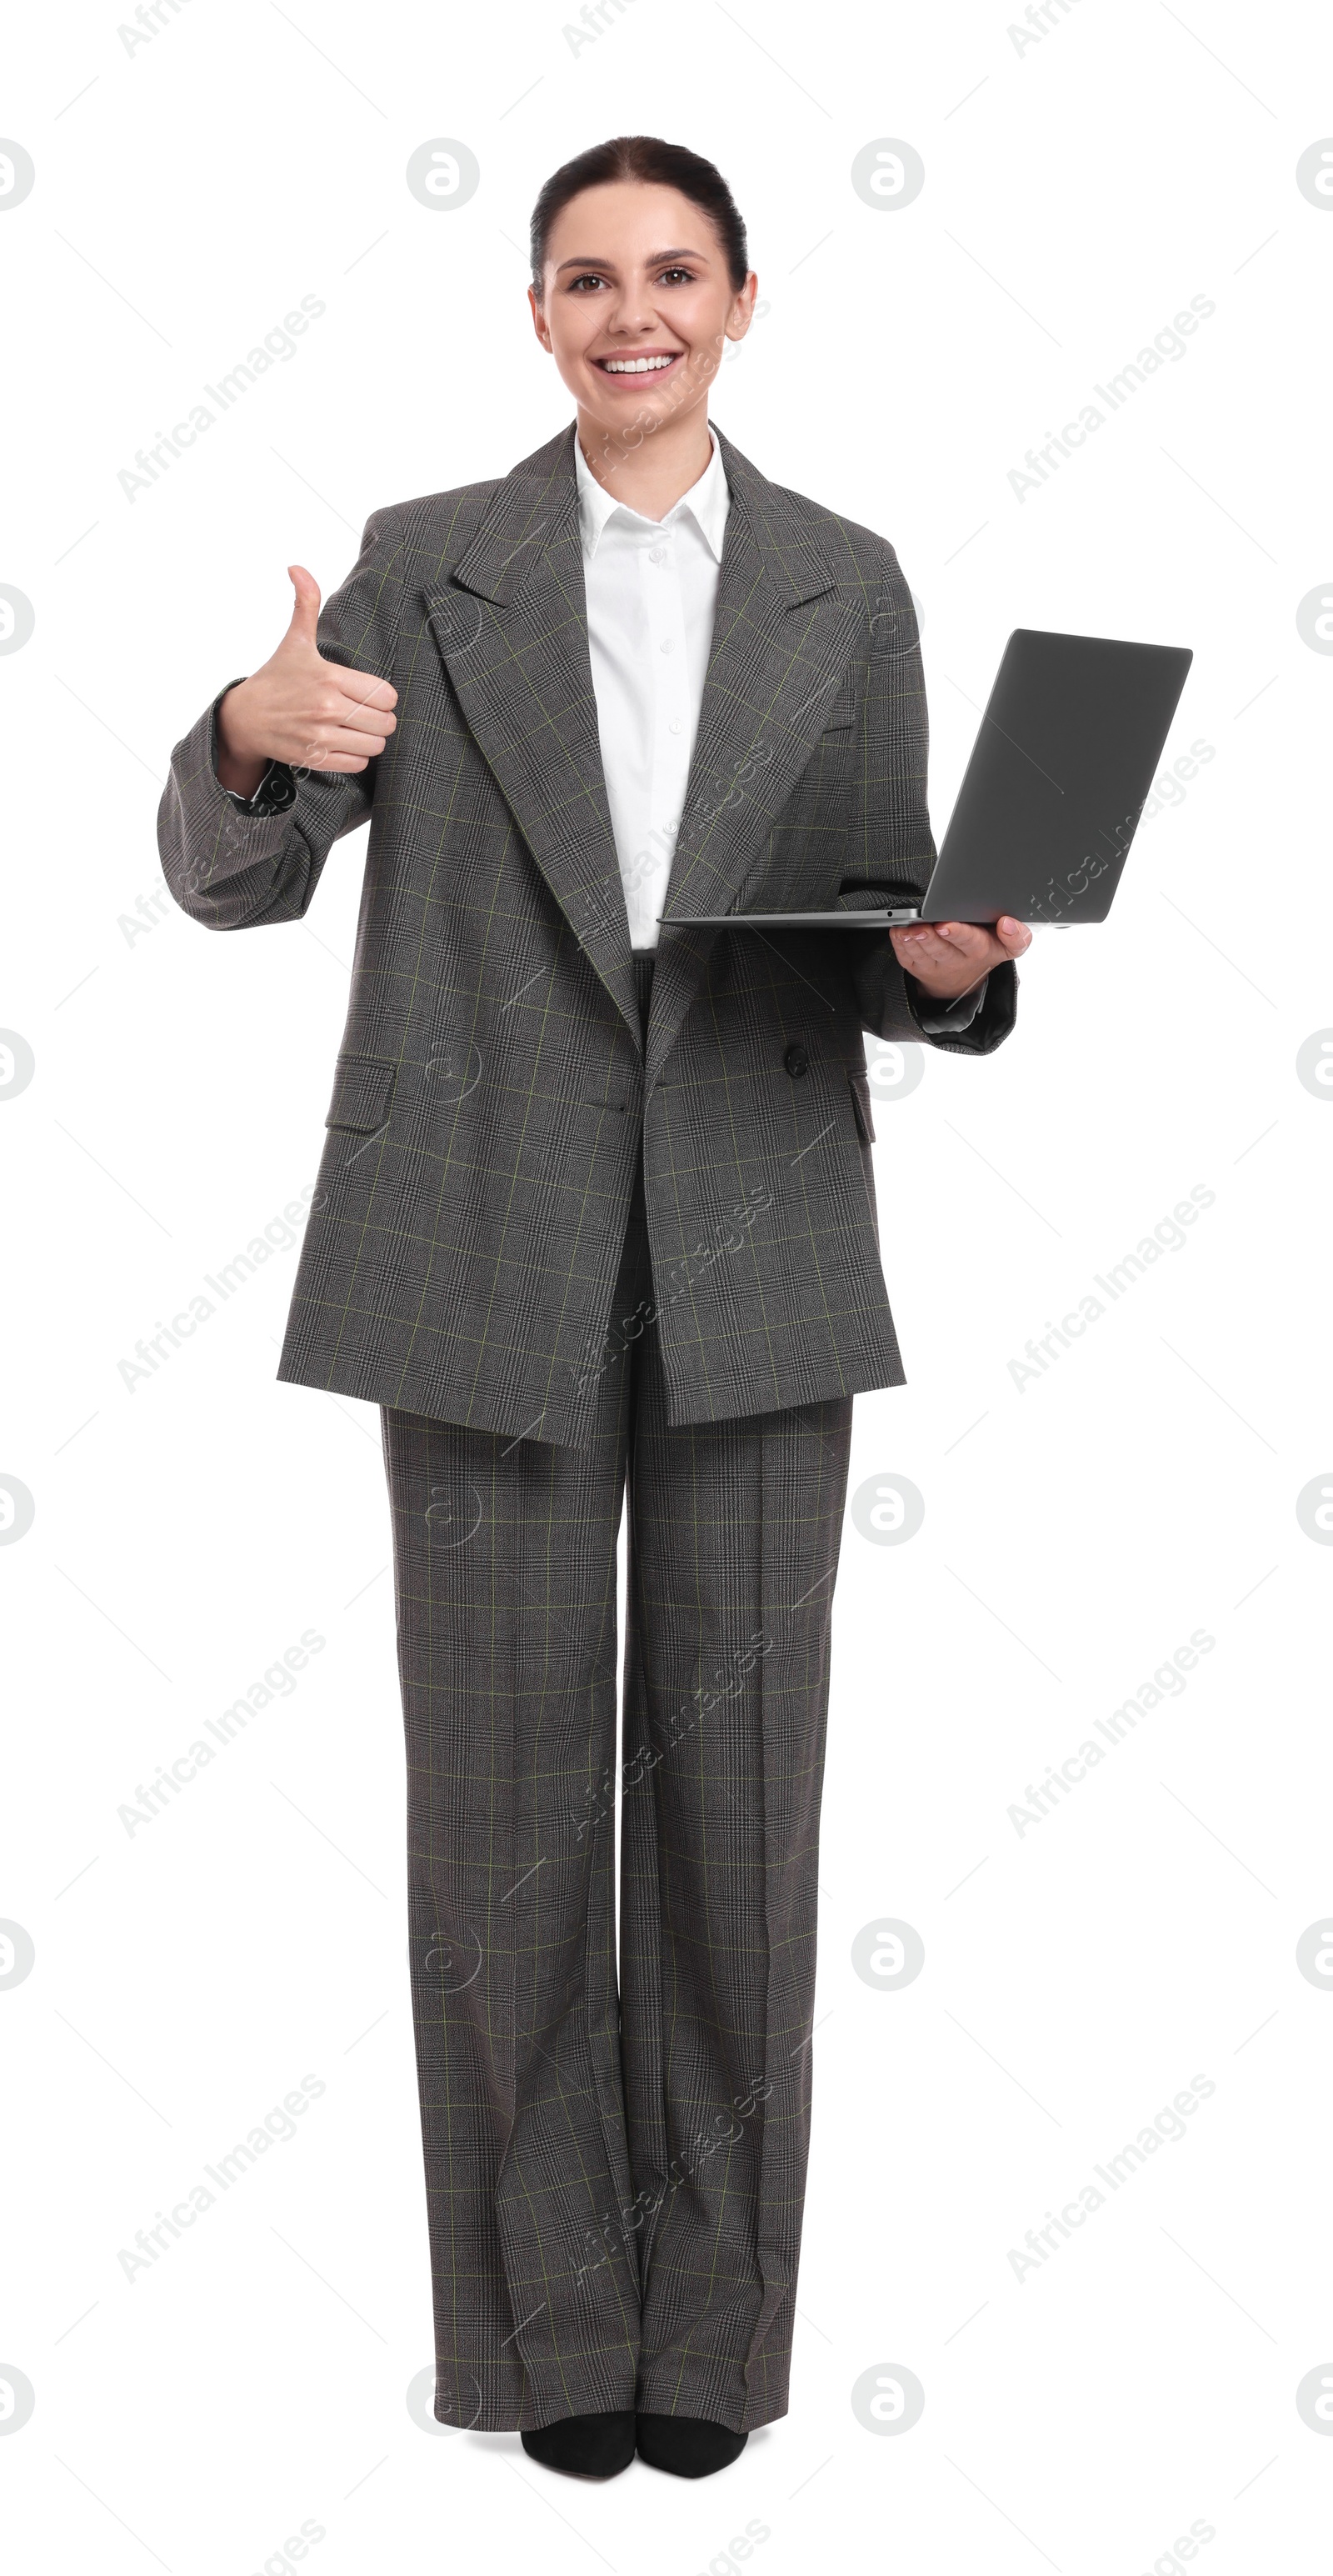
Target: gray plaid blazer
[(484, 1128)]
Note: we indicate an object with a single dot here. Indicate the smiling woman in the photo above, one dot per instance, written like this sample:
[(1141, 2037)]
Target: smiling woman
[(595, 1227), (640, 269)]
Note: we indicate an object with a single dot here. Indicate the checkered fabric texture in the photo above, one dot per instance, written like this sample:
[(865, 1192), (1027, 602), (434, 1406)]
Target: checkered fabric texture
[(493, 1091), (615, 2168)]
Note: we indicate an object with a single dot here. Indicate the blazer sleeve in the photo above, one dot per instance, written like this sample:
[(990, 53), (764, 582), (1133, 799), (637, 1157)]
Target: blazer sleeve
[(234, 871), (896, 846)]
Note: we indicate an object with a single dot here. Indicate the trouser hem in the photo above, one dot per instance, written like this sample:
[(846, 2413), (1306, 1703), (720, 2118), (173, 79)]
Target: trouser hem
[(715, 2393), (497, 2410)]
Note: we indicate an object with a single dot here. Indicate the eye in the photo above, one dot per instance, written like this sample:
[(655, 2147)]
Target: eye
[(590, 277)]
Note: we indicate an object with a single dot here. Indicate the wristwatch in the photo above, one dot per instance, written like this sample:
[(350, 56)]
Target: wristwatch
[(275, 792)]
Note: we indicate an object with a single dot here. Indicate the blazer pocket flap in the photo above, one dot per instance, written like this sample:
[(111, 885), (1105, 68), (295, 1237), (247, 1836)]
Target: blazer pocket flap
[(843, 711), (362, 1091), (860, 1091)]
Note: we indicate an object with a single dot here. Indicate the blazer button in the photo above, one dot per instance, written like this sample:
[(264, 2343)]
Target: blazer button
[(796, 1060)]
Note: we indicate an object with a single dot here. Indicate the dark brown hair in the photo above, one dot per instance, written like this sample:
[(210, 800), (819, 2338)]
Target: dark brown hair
[(653, 163)]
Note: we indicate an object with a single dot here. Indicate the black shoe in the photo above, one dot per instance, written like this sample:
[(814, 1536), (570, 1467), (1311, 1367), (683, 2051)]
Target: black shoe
[(584, 2446), (688, 2445)]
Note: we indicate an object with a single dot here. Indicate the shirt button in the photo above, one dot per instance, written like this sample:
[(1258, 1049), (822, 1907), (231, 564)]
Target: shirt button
[(676, 726), (657, 554), (666, 645), (796, 1060)]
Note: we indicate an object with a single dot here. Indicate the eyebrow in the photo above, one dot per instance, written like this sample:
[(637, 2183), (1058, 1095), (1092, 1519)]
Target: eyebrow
[(655, 259)]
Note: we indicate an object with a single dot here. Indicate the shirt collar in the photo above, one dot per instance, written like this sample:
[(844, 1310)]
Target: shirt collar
[(707, 501)]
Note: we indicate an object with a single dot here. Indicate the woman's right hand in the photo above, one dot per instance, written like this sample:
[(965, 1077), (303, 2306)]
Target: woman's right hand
[(301, 709)]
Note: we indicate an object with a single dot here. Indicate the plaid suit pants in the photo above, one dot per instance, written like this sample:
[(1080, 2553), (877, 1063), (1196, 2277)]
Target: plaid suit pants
[(615, 2149)]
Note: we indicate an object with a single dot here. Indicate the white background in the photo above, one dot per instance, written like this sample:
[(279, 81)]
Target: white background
[(1143, 2377)]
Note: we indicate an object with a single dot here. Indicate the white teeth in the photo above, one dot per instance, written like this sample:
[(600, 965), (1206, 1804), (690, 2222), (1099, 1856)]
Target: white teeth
[(634, 366)]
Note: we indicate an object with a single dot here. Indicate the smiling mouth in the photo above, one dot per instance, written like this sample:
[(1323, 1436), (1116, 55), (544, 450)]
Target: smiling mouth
[(652, 363)]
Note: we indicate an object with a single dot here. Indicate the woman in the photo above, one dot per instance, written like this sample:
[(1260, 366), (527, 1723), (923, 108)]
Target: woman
[(595, 1216)]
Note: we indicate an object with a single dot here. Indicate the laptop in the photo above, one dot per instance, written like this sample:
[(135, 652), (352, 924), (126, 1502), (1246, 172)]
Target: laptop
[(1058, 776)]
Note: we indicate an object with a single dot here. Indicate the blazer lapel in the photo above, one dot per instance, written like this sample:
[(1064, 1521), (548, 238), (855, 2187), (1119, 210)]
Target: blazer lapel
[(511, 626), (783, 636)]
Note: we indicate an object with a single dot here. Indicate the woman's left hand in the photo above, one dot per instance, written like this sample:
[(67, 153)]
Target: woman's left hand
[(949, 957)]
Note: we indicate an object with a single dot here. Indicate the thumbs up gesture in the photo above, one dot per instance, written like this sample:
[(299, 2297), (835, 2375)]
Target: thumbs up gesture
[(299, 708)]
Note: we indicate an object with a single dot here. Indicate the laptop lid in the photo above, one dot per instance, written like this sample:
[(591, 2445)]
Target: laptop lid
[(1059, 773)]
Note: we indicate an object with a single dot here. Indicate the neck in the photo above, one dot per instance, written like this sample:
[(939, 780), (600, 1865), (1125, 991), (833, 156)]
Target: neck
[(647, 473)]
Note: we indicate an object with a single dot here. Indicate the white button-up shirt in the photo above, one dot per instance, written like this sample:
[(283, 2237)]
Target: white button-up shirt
[(651, 588)]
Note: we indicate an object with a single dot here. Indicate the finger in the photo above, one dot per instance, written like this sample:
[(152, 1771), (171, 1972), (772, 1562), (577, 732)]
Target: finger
[(361, 688), (922, 948), (979, 944), (970, 938), (364, 715), (305, 613), (338, 706), (346, 739)]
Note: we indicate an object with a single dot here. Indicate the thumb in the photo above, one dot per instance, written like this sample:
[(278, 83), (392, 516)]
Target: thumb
[(306, 609)]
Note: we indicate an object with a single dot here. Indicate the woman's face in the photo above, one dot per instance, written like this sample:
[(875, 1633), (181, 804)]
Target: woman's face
[(637, 273)]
